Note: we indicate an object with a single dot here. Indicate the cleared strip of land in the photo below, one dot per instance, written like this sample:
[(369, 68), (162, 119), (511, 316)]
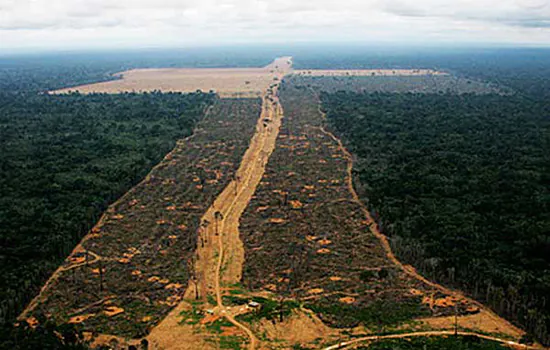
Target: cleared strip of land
[(226, 82), (135, 264), (367, 72), (308, 237), (220, 254), (167, 260)]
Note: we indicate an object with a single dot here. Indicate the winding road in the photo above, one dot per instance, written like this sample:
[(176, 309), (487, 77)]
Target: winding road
[(345, 344), (222, 264)]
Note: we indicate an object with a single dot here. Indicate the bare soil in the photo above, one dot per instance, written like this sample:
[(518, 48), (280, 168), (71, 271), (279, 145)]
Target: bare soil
[(227, 82), (482, 322)]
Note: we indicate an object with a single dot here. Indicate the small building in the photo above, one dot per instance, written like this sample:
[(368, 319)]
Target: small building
[(253, 304)]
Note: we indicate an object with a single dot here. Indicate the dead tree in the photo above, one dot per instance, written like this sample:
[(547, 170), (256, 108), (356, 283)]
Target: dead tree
[(193, 275), (218, 216), (203, 229), (236, 179)]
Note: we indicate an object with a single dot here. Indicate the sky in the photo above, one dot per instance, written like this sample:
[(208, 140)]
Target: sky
[(104, 24)]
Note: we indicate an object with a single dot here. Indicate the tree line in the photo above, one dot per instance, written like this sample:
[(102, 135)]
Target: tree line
[(63, 160), (460, 184)]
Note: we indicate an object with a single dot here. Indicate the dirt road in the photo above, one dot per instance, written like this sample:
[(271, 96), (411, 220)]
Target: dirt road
[(220, 254), (346, 344)]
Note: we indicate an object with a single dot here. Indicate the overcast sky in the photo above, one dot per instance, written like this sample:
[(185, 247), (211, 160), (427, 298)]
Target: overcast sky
[(79, 24)]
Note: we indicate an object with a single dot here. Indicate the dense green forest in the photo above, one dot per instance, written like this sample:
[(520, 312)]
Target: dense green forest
[(478, 175), (525, 69), (63, 159), (460, 184)]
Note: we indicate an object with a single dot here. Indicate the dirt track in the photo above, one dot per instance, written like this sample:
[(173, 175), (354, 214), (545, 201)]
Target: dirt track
[(347, 344), (220, 260)]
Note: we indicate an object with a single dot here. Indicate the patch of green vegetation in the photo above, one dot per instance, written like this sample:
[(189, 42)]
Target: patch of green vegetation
[(435, 343), (236, 288), (376, 315), (233, 300), (211, 299), (195, 302), (231, 342), (216, 326), (270, 309), (191, 317)]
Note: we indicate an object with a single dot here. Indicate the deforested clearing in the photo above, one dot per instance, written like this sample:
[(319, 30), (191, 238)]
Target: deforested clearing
[(367, 72), (261, 231), (133, 267), (226, 82)]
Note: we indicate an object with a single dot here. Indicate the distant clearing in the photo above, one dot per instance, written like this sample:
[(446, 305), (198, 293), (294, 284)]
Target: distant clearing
[(227, 82), (434, 83), (367, 72)]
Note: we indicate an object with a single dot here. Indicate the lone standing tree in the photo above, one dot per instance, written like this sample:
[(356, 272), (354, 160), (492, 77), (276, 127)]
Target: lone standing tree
[(218, 216)]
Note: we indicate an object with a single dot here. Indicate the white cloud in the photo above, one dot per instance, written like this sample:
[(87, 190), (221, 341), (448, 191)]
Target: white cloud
[(529, 13), (96, 23)]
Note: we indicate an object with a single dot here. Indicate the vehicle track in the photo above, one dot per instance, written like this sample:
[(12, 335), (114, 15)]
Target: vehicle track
[(252, 169), (349, 343), (220, 255)]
